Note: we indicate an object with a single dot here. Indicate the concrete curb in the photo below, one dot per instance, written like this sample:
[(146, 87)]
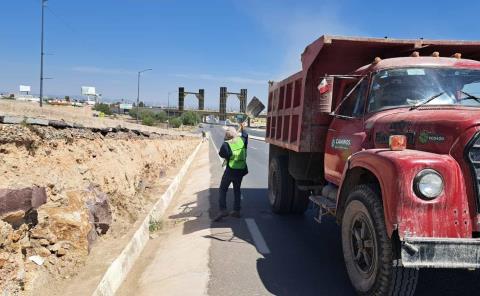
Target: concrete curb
[(118, 270)]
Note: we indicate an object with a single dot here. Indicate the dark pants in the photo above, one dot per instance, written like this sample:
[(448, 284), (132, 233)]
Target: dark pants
[(224, 184)]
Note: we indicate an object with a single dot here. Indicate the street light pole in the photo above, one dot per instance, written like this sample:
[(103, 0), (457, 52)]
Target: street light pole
[(42, 54), (138, 89)]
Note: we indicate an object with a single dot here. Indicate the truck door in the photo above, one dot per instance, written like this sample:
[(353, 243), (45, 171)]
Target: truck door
[(346, 133)]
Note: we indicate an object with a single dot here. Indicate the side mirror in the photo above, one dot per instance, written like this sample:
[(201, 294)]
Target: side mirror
[(325, 89)]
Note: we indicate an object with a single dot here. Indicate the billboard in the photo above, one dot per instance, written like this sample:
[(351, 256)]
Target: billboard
[(25, 88), (126, 106), (88, 91)]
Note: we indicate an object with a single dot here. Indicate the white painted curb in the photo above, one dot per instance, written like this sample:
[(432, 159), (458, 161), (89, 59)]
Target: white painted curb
[(118, 270)]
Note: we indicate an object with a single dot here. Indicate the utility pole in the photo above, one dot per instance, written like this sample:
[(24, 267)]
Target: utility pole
[(138, 89), (42, 54)]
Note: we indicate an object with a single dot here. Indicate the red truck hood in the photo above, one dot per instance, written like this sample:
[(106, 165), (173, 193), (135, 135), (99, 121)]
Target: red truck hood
[(432, 129)]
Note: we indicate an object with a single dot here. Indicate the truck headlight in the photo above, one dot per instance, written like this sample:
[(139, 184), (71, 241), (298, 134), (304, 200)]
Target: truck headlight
[(428, 184)]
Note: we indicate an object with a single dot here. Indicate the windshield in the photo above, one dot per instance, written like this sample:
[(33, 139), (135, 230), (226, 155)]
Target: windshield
[(411, 86)]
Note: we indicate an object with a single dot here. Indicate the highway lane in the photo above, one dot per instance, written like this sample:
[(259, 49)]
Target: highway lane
[(305, 258)]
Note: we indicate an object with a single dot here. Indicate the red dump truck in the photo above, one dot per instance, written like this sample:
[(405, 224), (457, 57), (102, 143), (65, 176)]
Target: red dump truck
[(383, 134)]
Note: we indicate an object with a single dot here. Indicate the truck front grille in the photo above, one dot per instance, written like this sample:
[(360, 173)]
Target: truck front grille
[(473, 157)]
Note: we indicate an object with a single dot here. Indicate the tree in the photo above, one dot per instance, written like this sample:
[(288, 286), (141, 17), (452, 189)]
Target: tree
[(67, 98), (141, 104)]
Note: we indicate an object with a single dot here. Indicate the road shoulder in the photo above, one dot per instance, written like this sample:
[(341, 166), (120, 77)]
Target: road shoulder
[(175, 261)]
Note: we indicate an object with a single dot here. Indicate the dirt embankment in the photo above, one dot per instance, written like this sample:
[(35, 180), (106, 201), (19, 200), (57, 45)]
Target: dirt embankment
[(78, 115), (94, 185)]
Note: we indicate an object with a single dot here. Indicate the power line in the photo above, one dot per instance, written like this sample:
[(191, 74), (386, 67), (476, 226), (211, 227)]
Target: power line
[(62, 20), (85, 41)]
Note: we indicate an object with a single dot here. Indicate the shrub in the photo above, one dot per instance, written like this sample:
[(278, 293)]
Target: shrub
[(133, 112), (190, 118), (148, 117), (176, 122), (146, 113), (147, 120), (104, 108), (161, 116)]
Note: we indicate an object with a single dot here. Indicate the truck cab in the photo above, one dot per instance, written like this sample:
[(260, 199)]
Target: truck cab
[(390, 148)]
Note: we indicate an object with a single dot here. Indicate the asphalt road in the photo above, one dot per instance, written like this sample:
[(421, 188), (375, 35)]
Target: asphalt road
[(267, 254)]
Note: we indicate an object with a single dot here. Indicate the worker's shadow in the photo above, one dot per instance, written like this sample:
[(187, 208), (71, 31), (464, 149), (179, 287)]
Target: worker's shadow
[(304, 258)]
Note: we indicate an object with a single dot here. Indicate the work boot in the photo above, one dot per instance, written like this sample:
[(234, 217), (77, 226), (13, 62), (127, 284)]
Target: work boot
[(219, 216), (235, 214)]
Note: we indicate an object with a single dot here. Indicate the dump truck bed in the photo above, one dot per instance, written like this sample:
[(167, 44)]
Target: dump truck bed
[(295, 120)]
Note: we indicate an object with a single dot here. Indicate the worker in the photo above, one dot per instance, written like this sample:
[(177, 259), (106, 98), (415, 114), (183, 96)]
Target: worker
[(234, 153)]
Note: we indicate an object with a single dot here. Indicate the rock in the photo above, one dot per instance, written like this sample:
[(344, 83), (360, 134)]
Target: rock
[(12, 119), (83, 169), (25, 243), (16, 236), (68, 223), (58, 124), (39, 233), (37, 121), (61, 252), (100, 211), (5, 232), (78, 125), (145, 134), (15, 201), (39, 197), (43, 242), (4, 258), (42, 251), (14, 218), (54, 248), (20, 233), (52, 238), (36, 259)]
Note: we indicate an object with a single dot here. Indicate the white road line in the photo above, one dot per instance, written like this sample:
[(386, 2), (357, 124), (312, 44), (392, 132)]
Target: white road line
[(252, 147), (256, 138), (216, 149), (257, 236)]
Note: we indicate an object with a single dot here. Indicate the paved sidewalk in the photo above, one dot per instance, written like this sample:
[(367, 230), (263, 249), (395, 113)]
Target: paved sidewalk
[(176, 261)]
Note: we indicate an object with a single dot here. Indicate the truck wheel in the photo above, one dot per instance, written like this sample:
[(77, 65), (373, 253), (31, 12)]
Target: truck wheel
[(279, 187), (367, 249), (300, 200)]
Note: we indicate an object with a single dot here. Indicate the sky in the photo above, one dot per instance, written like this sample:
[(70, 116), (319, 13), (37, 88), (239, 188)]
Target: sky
[(197, 44)]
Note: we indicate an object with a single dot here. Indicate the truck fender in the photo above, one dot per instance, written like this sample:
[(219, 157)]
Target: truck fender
[(394, 172)]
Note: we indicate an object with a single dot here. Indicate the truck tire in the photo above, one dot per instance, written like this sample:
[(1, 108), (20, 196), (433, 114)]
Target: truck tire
[(367, 249), (279, 185), (300, 200)]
